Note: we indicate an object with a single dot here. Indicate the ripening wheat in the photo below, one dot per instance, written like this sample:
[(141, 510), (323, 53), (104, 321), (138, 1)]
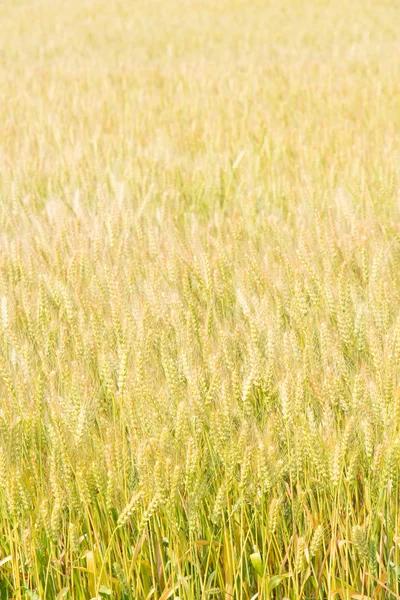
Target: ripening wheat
[(199, 299)]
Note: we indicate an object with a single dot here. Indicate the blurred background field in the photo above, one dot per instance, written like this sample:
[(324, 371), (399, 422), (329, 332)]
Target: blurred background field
[(200, 294)]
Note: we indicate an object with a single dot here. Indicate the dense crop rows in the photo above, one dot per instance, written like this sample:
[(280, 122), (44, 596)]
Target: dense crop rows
[(200, 300)]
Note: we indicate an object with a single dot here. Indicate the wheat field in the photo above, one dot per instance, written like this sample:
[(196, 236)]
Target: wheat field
[(199, 299)]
